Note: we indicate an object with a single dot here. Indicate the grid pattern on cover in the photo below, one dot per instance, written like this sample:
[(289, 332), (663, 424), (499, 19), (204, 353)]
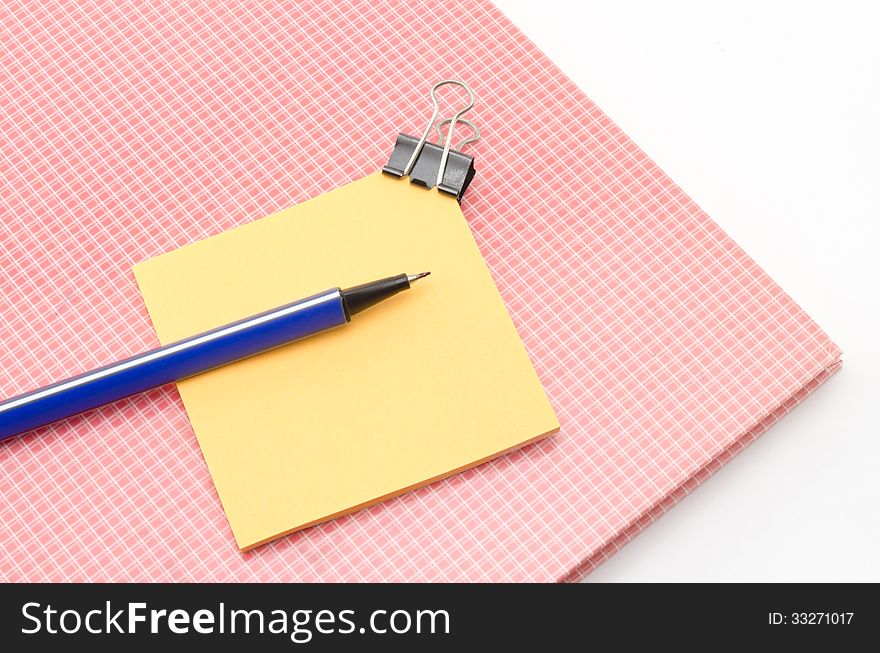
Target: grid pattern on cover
[(130, 129)]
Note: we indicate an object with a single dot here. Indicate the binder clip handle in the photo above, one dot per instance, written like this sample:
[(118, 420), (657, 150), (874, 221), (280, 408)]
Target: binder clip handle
[(437, 164), (465, 141)]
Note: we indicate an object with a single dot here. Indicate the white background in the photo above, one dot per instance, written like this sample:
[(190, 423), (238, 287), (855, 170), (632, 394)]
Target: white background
[(768, 115)]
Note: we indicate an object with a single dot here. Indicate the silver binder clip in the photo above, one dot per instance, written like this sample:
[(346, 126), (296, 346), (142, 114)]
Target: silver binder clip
[(437, 164)]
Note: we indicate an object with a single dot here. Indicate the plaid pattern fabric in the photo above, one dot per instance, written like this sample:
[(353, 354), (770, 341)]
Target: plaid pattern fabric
[(129, 129)]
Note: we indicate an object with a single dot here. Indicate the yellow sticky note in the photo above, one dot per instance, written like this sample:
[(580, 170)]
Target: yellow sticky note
[(426, 384)]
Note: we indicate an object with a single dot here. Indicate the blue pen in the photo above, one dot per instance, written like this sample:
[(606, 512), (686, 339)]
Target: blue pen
[(200, 353)]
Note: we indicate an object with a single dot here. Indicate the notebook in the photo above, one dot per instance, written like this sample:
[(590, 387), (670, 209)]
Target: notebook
[(134, 130), (424, 386)]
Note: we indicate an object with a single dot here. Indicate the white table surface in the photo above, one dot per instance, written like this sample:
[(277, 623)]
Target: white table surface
[(768, 115)]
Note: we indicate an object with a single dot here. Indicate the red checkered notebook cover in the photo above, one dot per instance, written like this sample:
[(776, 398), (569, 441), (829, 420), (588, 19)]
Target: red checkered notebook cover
[(129, 130)]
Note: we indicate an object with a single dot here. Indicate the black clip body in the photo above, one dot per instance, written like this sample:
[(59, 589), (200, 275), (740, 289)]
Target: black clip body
[(456, 177)]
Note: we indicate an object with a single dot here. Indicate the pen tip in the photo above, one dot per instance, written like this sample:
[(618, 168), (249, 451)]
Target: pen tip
[(416, 277)]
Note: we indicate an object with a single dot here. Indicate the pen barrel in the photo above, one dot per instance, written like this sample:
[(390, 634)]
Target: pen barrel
[(173, 362)]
